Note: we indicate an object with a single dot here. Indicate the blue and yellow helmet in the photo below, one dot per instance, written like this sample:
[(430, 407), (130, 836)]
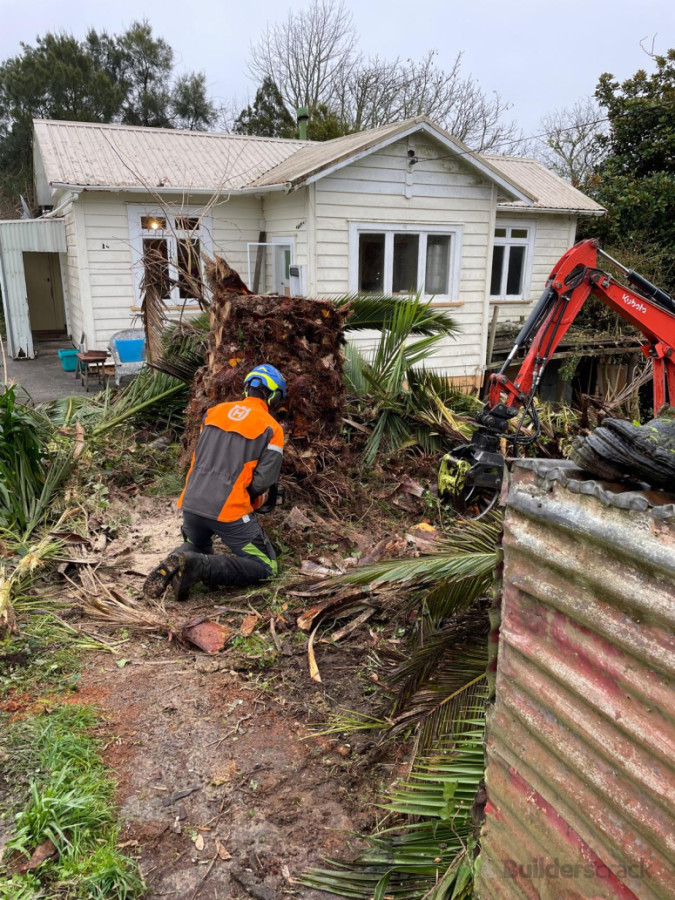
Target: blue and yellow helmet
[(267, 376)]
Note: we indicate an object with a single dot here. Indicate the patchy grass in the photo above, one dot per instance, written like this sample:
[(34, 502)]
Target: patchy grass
[(68, 801), (41, 659)]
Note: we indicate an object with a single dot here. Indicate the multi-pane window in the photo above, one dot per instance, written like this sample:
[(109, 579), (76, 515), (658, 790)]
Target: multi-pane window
[(171, 250), (401, 262), (510, 261)]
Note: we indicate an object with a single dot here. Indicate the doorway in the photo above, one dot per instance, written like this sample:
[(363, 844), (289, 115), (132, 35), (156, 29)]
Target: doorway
[(282, 266), (44, 290)]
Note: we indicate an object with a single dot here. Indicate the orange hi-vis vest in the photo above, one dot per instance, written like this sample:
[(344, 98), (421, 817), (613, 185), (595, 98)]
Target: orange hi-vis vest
[(237, 458)]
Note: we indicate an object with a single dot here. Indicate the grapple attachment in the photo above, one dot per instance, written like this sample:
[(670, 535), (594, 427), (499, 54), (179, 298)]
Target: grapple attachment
[(470, 476)]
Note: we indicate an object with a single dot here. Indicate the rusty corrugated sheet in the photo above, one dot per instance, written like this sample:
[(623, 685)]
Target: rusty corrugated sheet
[(581, 737)]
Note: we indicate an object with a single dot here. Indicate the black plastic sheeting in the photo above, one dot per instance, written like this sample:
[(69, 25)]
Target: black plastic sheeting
[(620, 450)]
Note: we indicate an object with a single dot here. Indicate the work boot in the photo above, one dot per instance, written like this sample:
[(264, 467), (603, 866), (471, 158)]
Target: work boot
[(189, 569), (158, 580)]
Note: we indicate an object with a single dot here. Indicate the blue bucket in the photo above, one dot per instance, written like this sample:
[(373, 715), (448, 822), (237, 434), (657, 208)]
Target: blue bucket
[(68, 360), (130, 350)]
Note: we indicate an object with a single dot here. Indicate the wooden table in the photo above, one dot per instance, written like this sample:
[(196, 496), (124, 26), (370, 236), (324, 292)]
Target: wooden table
[(88, 361)]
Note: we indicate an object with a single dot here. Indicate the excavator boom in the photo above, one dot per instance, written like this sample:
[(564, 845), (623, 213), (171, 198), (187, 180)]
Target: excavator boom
[(574, 278)]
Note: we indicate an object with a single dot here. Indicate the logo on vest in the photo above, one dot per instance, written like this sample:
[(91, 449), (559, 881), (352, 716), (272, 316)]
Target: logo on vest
[(237, 413)]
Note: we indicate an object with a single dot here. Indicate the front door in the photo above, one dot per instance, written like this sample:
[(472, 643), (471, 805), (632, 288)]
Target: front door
[(44, 291), (282, 265)]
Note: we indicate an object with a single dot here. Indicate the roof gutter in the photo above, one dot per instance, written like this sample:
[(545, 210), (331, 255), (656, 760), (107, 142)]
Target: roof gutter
[(561, 210), (156, 189)]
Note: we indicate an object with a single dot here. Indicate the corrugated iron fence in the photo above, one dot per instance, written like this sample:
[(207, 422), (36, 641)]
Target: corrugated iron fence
[(581, 737)]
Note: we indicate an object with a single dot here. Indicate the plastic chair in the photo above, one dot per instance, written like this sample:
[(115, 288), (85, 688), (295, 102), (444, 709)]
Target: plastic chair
[(123, 368)]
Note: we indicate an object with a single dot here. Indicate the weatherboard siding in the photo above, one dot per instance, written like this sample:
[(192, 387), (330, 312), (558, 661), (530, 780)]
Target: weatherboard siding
[(109, 265), (235, 223), (286, 216), (105, 259), (71, 278), (434, 192)]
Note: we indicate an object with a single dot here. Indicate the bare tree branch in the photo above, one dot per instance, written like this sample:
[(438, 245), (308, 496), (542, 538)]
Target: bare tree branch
[(313, 59), (308, 54), (570, 146)]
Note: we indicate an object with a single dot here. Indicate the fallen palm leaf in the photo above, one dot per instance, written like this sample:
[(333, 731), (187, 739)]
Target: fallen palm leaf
[(339, 602), (352, 626), (15, 581), (114, 609), (313, 668)]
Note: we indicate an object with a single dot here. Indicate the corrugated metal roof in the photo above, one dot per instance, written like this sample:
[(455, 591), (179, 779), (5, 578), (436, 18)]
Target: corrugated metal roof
[(121, 156), (319, 155), (79, 153), (551, 191), (581, 737)]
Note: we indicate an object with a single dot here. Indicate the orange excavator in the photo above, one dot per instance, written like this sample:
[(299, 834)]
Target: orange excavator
[(471, 475)]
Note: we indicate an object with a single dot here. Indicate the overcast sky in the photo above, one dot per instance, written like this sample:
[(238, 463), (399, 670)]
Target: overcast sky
[(539, 55)]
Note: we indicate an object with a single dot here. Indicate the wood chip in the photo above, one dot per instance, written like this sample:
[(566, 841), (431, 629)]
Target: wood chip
[(249, 624)]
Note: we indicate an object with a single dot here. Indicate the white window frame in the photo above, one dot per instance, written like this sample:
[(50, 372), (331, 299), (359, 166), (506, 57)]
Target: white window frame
[(136, 212), (508, 241), (356, 229)]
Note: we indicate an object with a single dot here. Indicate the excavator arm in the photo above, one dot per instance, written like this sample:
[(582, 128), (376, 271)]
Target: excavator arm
[(478, 466)]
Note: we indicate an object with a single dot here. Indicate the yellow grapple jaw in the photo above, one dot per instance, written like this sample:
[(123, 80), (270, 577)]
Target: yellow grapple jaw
[(452, 476), (466, 468)]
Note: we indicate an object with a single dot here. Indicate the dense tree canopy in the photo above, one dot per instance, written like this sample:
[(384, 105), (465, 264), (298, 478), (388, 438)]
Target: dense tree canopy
[(635, 180), (125, 78)]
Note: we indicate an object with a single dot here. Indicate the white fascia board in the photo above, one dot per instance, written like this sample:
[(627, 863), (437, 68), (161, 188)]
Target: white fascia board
[(159, 191), (471, 159), (557, 210)]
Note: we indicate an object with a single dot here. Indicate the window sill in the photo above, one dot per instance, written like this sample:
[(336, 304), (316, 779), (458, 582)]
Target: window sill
[(501, 301), (447, 303)]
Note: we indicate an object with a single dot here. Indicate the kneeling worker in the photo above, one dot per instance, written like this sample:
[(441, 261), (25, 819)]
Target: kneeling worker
[(237, 459)]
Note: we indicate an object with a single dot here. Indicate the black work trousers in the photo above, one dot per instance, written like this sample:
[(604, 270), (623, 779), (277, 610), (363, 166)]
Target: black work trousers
[(254, 558)]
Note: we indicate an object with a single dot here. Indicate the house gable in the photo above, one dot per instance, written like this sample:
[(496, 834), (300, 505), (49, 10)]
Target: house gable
[(312, 163)]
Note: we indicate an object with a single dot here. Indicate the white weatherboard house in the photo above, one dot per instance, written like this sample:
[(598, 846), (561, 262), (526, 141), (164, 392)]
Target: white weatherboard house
[(401, 207)]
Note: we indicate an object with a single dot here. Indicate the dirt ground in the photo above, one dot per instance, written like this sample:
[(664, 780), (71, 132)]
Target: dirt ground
[(224, 790)]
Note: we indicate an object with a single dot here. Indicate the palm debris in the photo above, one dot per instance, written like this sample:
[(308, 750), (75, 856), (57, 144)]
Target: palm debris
[(109, 606), (303, 338)]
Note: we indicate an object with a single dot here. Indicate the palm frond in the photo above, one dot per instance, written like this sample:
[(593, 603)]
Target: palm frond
[(184, 348), (422, 570), (444, 782), (375, 312), (416, 862), (452, 687), (449, 598), (150, 391)]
